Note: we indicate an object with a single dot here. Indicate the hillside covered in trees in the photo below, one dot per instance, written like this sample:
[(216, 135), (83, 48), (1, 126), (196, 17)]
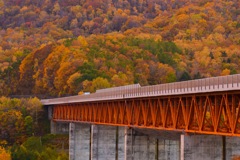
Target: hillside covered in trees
[(57, 48), (23, 132)]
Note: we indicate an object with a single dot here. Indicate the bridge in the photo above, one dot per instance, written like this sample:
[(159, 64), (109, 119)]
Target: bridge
[(207, 106)]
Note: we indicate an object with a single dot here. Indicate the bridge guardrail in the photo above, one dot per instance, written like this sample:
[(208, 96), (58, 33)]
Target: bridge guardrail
[(214, 84)]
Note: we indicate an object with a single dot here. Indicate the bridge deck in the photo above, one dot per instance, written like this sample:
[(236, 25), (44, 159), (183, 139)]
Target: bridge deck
[(215, 84)]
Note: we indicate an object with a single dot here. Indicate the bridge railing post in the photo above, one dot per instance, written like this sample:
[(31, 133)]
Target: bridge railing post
[(167, 88), (184, 86), (198, 86), (207, 84), (172, 87), (235, 81), (238, 79), (211, 84), (178, 87), (160, 89), (231, 84), (220, 85)]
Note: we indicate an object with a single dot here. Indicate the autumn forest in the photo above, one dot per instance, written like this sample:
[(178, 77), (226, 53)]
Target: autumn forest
[(57, 48)]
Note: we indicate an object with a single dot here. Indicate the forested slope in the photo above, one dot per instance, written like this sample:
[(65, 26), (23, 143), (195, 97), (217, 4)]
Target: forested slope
[(52, 48), (58, 48), (24, 128)]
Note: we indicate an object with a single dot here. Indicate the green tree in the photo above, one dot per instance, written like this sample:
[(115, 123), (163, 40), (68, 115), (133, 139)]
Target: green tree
[(28, 123)]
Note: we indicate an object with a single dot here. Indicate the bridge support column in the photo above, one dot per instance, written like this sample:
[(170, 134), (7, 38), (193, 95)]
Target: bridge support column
[(209, 147), (168, 149), (232, 147), (59, 128), (141, 146), (107, 143), (53, 127), (201, 147), (79, 141)]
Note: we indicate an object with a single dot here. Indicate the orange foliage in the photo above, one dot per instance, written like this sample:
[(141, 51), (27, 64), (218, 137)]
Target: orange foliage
[(4, 155), (114, 40)]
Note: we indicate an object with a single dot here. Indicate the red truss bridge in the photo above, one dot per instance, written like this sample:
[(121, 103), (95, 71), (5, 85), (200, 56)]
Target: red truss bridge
[(204, 106)]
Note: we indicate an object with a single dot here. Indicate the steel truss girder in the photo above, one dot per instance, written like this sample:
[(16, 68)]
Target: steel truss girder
[(210, 113)]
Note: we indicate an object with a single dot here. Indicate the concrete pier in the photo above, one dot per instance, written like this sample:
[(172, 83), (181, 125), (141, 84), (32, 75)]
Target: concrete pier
[(232, 147), (209, 147), (100, 142), (202, 147), (59, 128), (147, 145), (103, 144), (79, 141)]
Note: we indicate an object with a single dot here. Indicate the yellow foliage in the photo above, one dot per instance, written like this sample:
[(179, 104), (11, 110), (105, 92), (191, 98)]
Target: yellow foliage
[(4, 155), (3, 142), (56, 7), (203, 22), (99, 83), (1, 3), (120, 79), (80, 93), (86, 86), (76, 9), (165, 73), (72, 80), (183, 18), (202, 57), (119, 11), (82, 40), (209, 4), (225, 72), (219, 29)]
